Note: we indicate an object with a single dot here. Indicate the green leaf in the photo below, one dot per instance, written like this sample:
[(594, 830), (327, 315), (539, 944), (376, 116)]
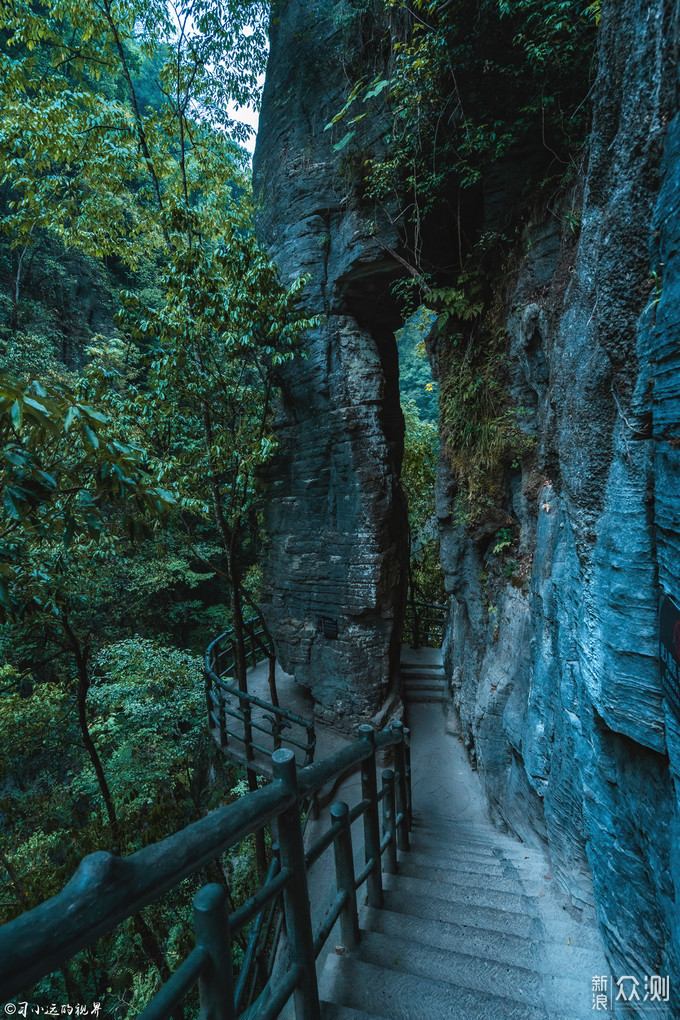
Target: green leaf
[(377, 89), (91, 437), (12, 506), (341, 144), (71, 415)]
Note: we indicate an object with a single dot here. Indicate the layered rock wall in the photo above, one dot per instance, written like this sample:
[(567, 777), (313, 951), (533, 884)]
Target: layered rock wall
[(554, 669), (553, 661), (336, 513)]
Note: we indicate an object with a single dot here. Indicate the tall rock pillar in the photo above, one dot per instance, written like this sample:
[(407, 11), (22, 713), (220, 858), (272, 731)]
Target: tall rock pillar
[(336, 559)]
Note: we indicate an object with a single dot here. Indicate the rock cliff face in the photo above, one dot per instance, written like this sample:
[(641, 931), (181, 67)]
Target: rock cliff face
[(336, 514), (556, 680), (554, 669)]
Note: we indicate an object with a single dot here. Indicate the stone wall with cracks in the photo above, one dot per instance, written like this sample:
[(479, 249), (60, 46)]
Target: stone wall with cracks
[(555, 677), (336, 514)]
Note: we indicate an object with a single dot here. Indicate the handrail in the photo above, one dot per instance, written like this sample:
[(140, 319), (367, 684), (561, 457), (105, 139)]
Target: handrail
[(424, 623), (220, 689), (262, 923), (106, 889)]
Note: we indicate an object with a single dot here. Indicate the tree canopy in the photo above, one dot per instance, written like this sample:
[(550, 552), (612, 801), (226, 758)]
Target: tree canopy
[(142, 334)]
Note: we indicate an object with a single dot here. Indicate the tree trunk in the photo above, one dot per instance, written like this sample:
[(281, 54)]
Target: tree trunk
[(240, 664), (139, 124), (153, 950), (273, 693), (80, 655)]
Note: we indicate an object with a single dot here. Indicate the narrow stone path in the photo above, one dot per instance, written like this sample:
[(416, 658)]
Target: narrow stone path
[(472, 926)]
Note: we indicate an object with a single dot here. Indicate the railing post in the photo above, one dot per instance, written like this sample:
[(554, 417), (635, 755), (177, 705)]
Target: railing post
[(296, 895), (400, 787), (222, 718), (388, 821), (247, 728), (208, 695), (407, 762), (344, 875), (253, 644), (311, 744), (211, 923), (276, 731), (369, 792), (416, 624)]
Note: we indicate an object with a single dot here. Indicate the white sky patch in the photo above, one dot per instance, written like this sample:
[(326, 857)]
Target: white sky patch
[(247, 115), (243, 114)]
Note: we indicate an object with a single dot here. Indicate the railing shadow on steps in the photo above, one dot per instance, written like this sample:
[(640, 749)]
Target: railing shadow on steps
[(106, 890), (226, 702)]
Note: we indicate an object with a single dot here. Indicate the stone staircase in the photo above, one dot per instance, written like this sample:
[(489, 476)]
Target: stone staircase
[(472, 926), (422, 682), (464, 933)]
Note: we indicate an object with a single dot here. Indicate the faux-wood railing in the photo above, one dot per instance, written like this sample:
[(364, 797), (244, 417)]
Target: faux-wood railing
[(424, 624), (106, 890), (227, 705)]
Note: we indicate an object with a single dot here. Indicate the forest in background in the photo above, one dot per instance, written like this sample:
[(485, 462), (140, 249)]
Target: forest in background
[(141, 331)]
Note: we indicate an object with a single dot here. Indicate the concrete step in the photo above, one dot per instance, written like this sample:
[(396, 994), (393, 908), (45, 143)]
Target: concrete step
[(457, 843), (400, 995), (393, 952), (423, 687), (425, 697), (330, 1011), (410, 665), (481, 917), (417, 674), (418, 682), (506, 903), (503, 877), (455, 856), (512, 950)]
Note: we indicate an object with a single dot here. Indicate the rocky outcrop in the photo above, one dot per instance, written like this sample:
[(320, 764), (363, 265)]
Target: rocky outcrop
[(555, 670), (552, 644), (336, 512)]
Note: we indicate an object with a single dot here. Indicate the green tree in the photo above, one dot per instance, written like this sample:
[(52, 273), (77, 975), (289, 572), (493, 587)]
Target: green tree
[(418, 477), (97, 161)]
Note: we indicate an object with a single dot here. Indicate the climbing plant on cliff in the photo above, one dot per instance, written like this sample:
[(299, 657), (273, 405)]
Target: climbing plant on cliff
[(468, 83)]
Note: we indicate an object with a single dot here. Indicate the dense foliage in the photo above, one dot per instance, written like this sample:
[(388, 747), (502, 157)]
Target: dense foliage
[(142, 330)]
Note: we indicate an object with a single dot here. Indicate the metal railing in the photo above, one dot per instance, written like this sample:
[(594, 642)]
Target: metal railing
[(252, 715), (106, 890)]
